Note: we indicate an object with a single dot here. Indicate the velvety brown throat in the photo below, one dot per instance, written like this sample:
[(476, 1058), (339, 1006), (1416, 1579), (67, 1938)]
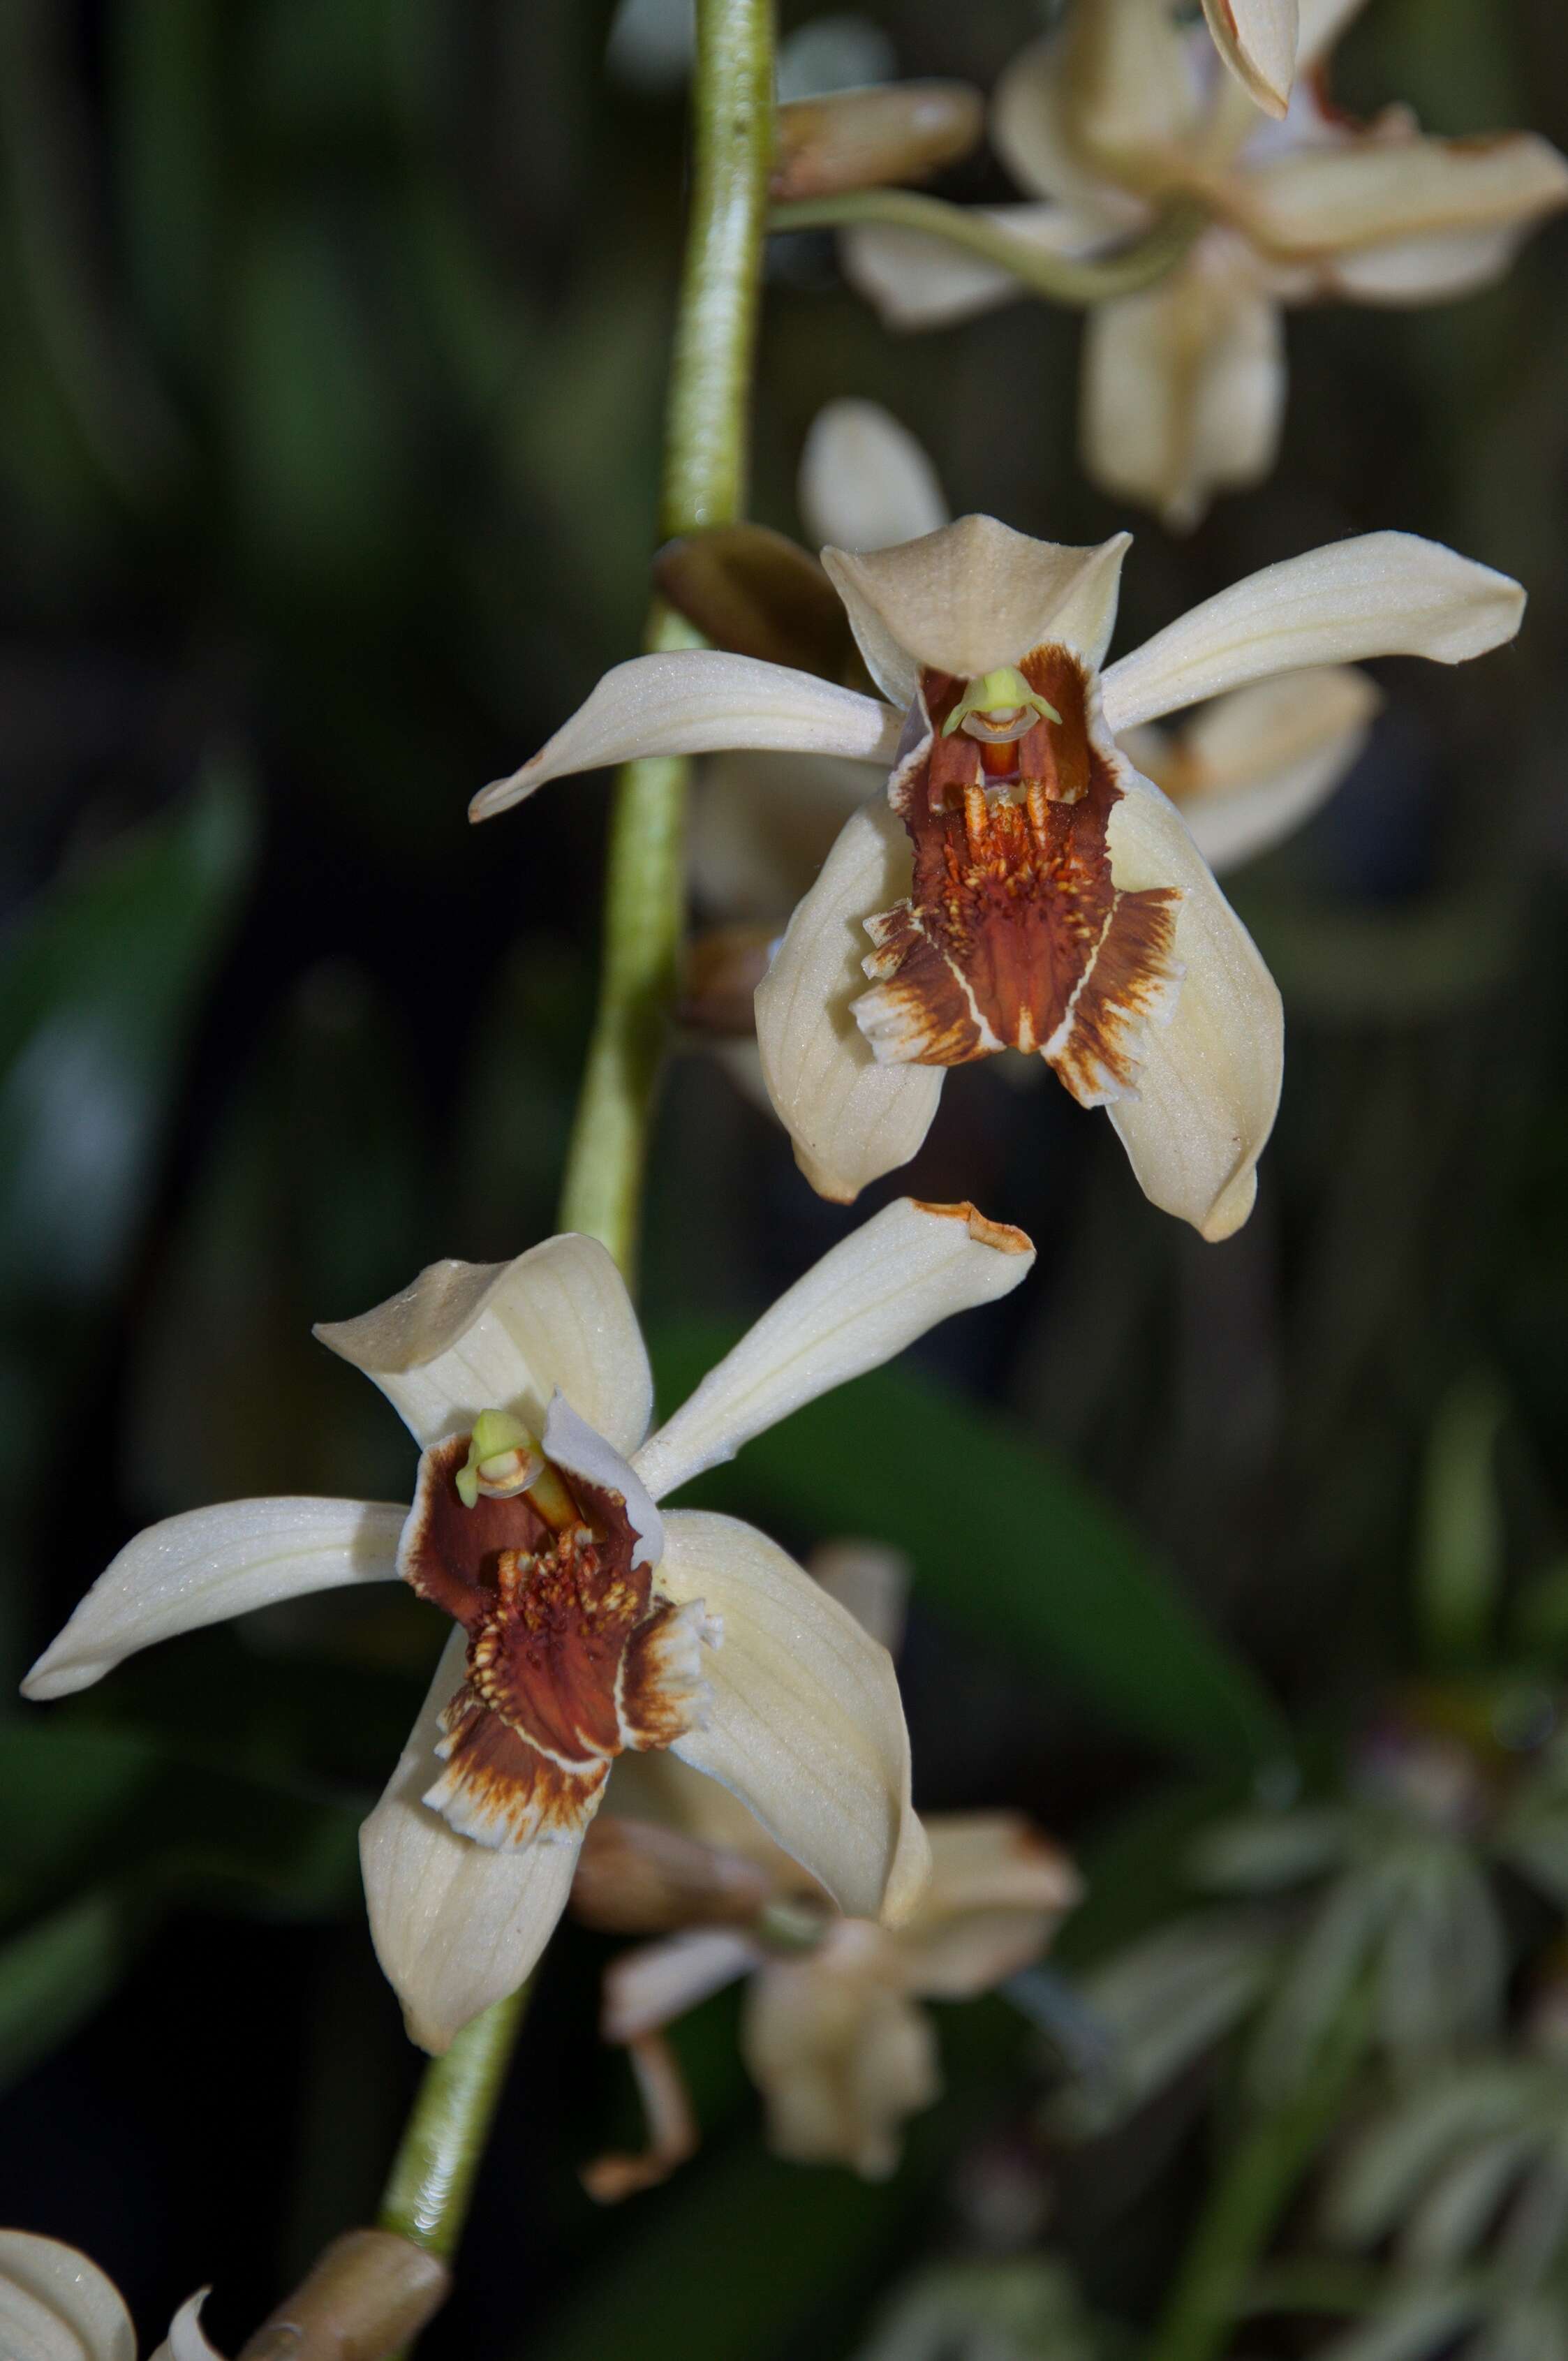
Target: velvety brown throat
[(568, 1653), (1013, 935)]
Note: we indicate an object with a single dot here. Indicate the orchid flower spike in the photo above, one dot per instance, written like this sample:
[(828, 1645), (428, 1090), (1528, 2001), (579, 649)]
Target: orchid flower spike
[(56, 2306), (1118, 112), (1021, 885), (589, 1624)]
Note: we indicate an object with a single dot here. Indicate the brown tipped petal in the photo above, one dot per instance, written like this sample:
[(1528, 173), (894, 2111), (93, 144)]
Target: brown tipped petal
[(1257, 40), (1329, 201), (56, 2306), (699, 701), (861, 138), (908, 1268), (912, 282), (995, 1861), (673, 2133), (507, 1335), (457, 1925), (807, 1728), (1382, 594), (1254, 766), (973, 597), (1184, 392), (850, 1119), (1209, 1084), (864, 479), (210, 1564)]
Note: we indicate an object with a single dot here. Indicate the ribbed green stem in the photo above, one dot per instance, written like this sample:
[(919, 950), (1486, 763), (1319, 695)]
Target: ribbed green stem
[(1055, 276), (705, 483)]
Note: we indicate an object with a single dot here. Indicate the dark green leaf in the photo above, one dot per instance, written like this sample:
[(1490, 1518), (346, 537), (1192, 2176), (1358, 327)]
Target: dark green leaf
[(1005, 1540), (55, 1973)]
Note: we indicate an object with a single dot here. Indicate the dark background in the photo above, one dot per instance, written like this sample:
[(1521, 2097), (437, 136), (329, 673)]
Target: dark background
[(331, 345)]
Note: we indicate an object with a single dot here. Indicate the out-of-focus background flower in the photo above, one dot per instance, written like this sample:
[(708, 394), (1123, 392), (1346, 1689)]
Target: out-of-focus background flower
[(332, 341)]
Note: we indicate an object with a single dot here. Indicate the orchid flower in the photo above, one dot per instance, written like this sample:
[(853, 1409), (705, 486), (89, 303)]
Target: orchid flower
[(56, 2306), (1257, 40), (830, 2031), (589, 1623), (1247, 772), (1020, 885), (1120, 112)]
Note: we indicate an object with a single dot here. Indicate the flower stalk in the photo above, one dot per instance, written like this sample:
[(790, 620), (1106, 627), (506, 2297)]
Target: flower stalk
[(706, 448), (1058, 277)]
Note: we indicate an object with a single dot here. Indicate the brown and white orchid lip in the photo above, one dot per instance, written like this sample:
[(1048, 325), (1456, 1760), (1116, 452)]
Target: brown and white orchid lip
[(1015, 935)]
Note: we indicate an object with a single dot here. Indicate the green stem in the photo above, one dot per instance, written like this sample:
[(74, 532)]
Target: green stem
[(705, 483), (1258, 2180), (1055, 276)]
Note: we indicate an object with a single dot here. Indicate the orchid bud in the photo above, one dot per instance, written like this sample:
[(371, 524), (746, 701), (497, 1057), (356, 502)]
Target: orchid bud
[(637, 1878), (864, 138)]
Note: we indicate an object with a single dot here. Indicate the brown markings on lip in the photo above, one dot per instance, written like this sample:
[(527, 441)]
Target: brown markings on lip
[(1013, 935), (571, 1659)]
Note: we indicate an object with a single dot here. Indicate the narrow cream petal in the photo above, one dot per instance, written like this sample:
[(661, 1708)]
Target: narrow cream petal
[(995, 1861), (1257, 40), (866, 480), (808, 1729), (1328, 199), (56, 2306), (186, 2340), (974, 1953), (973, 597), (763, 824), (697, 701), (455, 1925), (850, 1119), (1382, 594), (909, 1267), (652, 1984), (1253, 767), (913, 282), (468, 1336), (1433, 270), (210, 1564), (1184, 389), (1210, 1086), (578, 1450)]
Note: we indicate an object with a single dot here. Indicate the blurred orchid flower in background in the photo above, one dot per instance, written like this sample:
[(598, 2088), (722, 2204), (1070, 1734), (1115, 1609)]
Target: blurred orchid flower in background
[(1120, 112), (589, 1624), (830, 2032), (56, 2306), (1246, 772), (1021, 884)]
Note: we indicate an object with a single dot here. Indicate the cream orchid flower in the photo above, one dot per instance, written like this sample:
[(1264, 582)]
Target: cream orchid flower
[(831, 2033), (56, 2306), (1021, 884), (1247, 771), (589, 1623), (1117, 114)]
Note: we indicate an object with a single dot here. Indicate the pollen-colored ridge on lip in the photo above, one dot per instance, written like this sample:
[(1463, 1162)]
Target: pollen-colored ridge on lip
[(1002, 1235)]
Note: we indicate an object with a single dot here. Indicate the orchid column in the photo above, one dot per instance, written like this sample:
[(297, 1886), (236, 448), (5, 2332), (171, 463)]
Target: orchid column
[(704, 484)]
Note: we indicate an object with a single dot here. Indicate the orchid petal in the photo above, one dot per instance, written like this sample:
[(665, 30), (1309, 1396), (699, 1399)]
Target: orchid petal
[(866, 480), (1184, 389), (1324, 200), (1382, 594), (1257, 40), (56, 2306), (468, 1336), (697, 701), (1209, 1087), (1433, 270), (841, 2059), (914, 281), (656, 1983), (900, 1273), (974, 597), (806, 1727), (574, 1446), (1253, 767), (455, 1925), (995, 1861), (850, 1119), (209, 1564), (1113, 98), (187, 2340)]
